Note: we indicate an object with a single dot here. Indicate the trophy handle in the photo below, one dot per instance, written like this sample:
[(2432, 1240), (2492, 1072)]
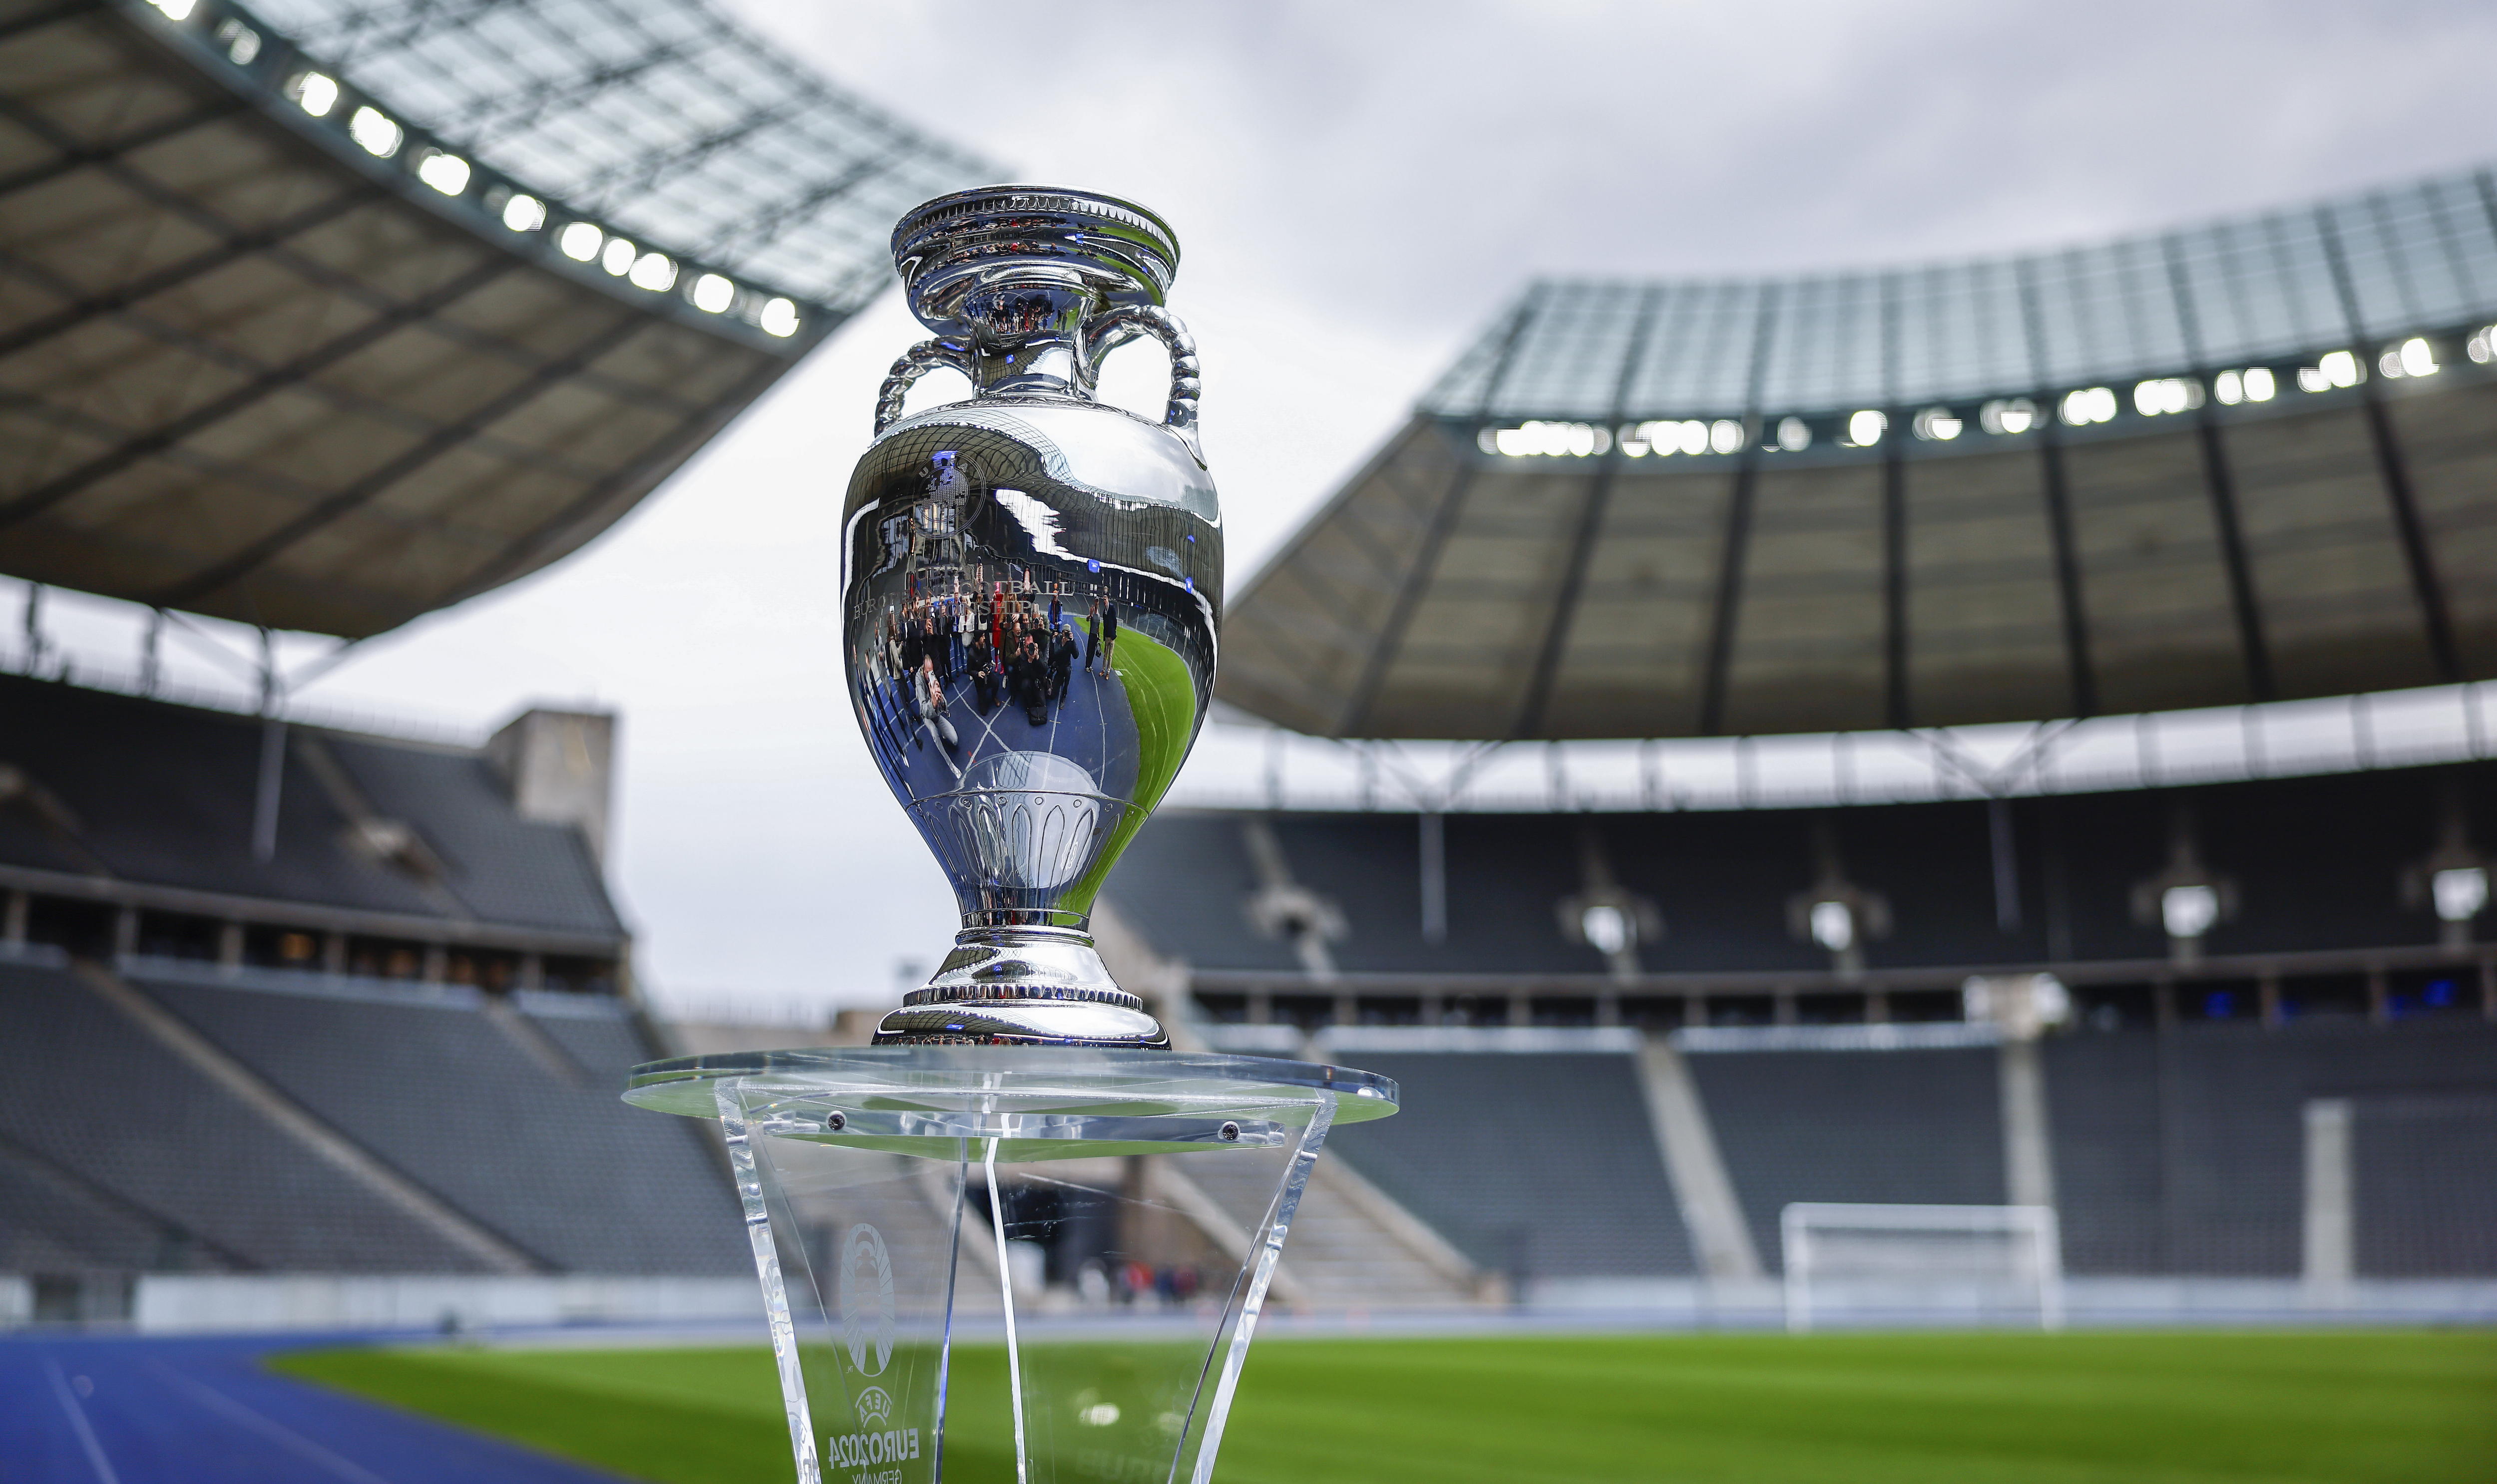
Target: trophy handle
[(921, 358), (1126, 322)]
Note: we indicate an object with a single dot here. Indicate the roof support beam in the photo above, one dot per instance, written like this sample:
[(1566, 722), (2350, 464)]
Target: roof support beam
[(1894, 579), (36, 20), (175, 275), (520, 556), (313, 269), (441, 441), (2434, 615), (1426, 559), (2058, 504), (1408, 597), (1729, 596), (1720, 665), (76, 159), (1590, 521), (2221, 484), (165, 435)]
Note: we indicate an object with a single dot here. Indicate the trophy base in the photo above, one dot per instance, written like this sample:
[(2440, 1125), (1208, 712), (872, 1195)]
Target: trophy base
[(1023, 985)]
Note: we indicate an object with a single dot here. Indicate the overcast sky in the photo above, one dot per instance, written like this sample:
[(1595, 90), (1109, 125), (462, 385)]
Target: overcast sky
[(1358, 189)]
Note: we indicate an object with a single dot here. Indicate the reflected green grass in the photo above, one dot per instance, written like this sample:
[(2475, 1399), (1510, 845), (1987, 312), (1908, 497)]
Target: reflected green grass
[(2403, 1408)]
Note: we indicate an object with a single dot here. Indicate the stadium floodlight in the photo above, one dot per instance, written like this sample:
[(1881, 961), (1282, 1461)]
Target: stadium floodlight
[(2460, 893), (1607, 928), (618, 256), (528, 213), (580, 242), (2164, 394), (1833, 924), (2338, 368), (1936, 425), (1888, 1263), (2416, 356), (655, 272), (713, 294), (2087, 405), (444, 173), (2188, 910), (314, 92), (375, 130), (2008, 415), (779, 317), (1794, 434), (241, 41), (1725, 435), (176, 10), (1865, 429)]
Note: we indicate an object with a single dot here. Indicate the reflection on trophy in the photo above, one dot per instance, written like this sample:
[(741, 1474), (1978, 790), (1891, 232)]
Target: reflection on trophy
[(1031, 595)]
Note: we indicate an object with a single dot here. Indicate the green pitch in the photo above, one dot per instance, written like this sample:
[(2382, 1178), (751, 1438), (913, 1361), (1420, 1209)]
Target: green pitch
[(1931, 1408)]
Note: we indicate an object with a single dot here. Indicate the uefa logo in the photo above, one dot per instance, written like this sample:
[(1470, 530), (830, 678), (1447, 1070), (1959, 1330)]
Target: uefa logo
[(874, 1406), (866, 1301)]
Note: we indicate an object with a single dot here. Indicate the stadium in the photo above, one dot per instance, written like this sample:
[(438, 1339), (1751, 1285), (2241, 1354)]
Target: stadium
[(1940, 804)]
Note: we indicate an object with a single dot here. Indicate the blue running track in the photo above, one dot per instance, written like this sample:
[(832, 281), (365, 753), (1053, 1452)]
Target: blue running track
[(83, 1410)]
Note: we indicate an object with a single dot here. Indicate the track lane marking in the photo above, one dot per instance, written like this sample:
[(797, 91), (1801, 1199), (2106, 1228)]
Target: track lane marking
[(267, 1427), (80, 1424)]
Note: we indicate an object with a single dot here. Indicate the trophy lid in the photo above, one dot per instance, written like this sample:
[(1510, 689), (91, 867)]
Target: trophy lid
[(1119, 252)]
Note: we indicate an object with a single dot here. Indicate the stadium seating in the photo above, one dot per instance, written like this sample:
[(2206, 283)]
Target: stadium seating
[(1531, 1163), (544, 1155), (2185, 1152), (1919, 1127), (162, 794), (100, 1116)]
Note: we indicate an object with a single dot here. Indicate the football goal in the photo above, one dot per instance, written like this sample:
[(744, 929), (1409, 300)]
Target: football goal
[(1910, 1264)]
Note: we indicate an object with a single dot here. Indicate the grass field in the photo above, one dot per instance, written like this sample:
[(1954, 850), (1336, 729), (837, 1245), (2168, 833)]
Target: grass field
[(2420, 1408)]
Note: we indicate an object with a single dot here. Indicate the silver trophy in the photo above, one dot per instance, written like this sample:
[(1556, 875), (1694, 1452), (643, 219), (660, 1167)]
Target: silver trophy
[(1032, 590), (1032, 586)]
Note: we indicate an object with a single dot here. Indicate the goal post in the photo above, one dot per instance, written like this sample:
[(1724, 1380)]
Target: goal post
[(1911, 1262)]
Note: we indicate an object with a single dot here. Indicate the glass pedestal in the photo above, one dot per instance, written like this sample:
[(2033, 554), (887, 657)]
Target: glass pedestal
[(1013, 1265)]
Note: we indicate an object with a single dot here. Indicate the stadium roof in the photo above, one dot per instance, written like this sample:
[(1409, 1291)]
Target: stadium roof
[(2245, 461), (326, 315)]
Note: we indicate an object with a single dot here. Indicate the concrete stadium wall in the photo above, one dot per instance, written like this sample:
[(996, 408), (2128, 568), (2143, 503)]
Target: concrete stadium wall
[(193, 1302)]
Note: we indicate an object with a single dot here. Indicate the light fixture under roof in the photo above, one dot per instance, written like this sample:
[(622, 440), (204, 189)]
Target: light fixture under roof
[(713, 294), (2460, 893), (2188, 911), (655, 272), (779, 318), (376, 131), (578, 241), (314, 92), (444, 173), (1833, 924)]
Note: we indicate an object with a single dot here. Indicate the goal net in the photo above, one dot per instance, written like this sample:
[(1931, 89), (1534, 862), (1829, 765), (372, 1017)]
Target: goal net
[(1894, 1264)]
